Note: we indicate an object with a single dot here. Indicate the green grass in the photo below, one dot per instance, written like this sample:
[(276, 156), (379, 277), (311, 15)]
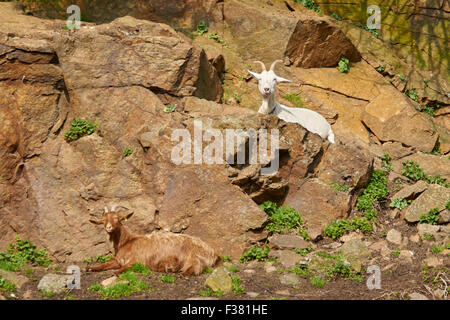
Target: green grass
[(139, 268), (123, 289), (344, 65), (79, 128), (295, 99), (255, 253), (236, 286), (437, 249), (317, 281), (232, 269), (283, 218), (303, 252), (375, 191), (399, 203), (226, 259), (127, 152), (447, 205), (300, 271), (103, 259), (22, 252), (208, 292), (202, 27), (7, 286), (167, 278), (428, 236), (337, 228), (47, 294), (431, 217)]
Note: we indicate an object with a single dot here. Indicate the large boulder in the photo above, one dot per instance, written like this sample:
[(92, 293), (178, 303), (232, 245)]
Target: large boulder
[(434, 197)]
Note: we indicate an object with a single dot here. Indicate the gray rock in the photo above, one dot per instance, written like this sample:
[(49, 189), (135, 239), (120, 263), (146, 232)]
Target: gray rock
[(287, 258), (219, 279), (53, 283), (289, 241), (394, 236), (434, 197), (289, 279)]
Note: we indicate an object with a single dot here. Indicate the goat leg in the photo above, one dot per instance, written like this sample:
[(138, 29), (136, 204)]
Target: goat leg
[(123, 268), (111, 264)]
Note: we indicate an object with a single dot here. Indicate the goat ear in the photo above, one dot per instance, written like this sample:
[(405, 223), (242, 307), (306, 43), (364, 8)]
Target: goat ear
[(256, 75), (95, 221), (126, 216), (282, 80)]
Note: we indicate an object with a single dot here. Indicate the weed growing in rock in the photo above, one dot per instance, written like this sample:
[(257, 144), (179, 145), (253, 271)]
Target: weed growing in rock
[(412, 94), (344, 65), (437, 249), (283, 218), (202, 27), (399, 203), (431, 217), (169, 108), (79, 128), (412, 171), (336, 16), (386, 159), (401, 76), (255, 253), (127, 152), (380, 69), (20, 253), (396, 253), (429, 109), (303, 252), (218, 39)]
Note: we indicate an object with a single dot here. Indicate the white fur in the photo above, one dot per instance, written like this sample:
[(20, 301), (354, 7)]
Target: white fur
[(310, 120)]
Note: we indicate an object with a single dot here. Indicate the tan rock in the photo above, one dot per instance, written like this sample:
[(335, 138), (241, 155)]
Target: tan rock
[(280, 241), (394, 236), (434, 197), (432, 261), (412, 191)]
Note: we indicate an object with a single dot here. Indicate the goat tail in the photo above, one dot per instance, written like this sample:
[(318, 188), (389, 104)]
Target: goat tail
[(330, 135)]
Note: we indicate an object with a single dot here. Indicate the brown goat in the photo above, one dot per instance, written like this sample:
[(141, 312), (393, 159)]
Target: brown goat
[(160, 251)]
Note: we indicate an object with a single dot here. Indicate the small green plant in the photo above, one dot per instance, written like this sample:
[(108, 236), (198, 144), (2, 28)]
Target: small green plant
[(232, 269), (366, 28), (20, 253), (386, 159), (428, 236), (88, 260), (376, 190), (343, 65), (429, 109), (380, 69), (401, 76), (7, 286), (303, 252), (300, 271), (79, 128), (363, 224), (431, 217), (337, 228), (412, 93), (399, 203), (127, 152), (28, 271), (130, 284), (338, 187), (208, 292), (447, 205), (169, 108), (167, 278), (217, 38), (447, 246), (207, 271), (437, 249), (396, 253), (202, 27), (336, 16), (310, 4), (295, 99), (236, 285), (283, 218), (412, 171), (238, 98), (103, 259), (47, 294), (226, 259), (317, 281), (255, 253)]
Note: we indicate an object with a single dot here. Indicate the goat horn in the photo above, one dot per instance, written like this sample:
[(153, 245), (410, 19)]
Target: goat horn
[(106, 209), (262, 65), (113, 208), (274, 63)]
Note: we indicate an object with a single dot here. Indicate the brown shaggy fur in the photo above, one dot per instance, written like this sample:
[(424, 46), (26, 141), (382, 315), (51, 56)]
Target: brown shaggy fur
[(160, 251)]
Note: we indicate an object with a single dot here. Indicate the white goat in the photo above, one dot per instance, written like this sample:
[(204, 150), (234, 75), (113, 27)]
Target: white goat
[(310, 120)]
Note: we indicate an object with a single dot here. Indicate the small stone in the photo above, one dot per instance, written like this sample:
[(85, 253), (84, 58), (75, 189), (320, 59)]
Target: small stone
[(282, 241), (112, 281), (249, 271), (376, 246), (252, 294), (394, 236), (219, 279), (352, 235), (414, 238), (289, 279), (14, 278), (269, 267), (356, 252), (53, 283), (417, 296), (439, 293), (406, 256), (433, 262), (283, 292)]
